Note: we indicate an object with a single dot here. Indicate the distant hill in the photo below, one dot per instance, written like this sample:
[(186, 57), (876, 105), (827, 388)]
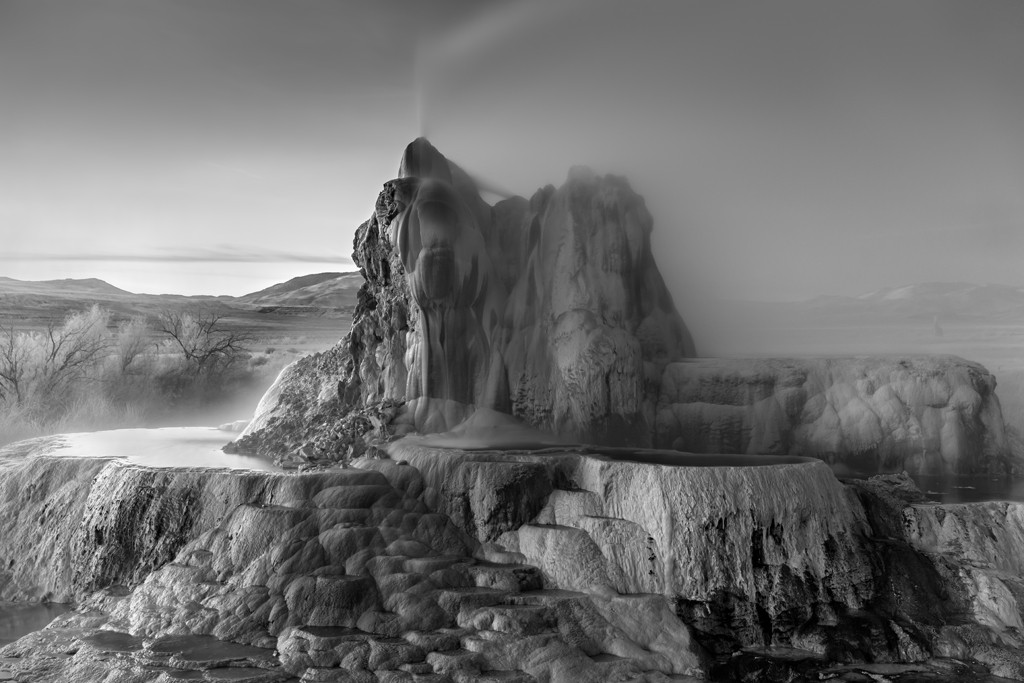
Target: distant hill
[(320, 290), (89, 287), (36, 304)]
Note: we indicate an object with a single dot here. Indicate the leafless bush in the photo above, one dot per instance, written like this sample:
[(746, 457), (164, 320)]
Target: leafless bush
[(206, 345), (89, 373), (39, 371)]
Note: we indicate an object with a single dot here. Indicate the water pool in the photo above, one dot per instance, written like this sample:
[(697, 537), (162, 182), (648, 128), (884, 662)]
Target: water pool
[(166, 447)]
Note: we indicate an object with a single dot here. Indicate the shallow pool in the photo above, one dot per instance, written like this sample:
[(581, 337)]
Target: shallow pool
[(18, 619), (166, 447), (970, 488)]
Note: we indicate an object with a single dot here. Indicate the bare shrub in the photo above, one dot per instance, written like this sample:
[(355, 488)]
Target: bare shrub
[(130, 342), (40, 371), (207, 355), (204, 342)]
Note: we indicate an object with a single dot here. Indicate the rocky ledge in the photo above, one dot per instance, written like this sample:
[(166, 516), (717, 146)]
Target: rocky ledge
[(446, 564)]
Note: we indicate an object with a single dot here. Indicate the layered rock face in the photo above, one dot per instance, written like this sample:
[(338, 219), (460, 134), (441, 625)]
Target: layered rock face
[(262, 577), (930, 415), (550, 309), (955, 569), (779, 555), (751, 555), (456, 565)]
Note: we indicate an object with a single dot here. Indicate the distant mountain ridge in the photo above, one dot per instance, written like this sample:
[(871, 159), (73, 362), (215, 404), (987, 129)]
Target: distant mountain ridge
[(67, 285), (39, 302), (320, 290)]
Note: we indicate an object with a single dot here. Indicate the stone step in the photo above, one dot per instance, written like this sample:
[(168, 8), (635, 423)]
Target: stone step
[(390, 653), (329, 637), (504, 677), (611, 667), (232, 674), (492, 552), (335, 675), (417, 668), (513, 578), (455, 661), (517, 620), (432, 563), (455, 601), (547, 596), (436, 641)]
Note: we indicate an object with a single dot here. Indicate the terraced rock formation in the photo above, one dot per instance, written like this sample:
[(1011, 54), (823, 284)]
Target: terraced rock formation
[(341, 575), (440, 564)]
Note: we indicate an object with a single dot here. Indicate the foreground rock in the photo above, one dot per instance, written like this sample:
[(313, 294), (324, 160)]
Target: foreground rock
[(559, 565), (258, 576)]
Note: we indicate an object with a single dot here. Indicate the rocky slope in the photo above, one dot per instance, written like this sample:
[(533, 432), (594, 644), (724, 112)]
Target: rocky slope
[(935, 414)]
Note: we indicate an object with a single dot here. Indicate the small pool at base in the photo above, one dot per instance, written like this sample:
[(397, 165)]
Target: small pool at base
[(969, 488), (653, 456), (19, 619), (165, 447)]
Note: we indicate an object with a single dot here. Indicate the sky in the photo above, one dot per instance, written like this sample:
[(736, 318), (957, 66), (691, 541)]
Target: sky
[(785, 149)]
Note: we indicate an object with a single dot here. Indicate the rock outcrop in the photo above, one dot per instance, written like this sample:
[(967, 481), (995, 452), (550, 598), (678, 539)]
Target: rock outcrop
[(928, 415), (551, 309)]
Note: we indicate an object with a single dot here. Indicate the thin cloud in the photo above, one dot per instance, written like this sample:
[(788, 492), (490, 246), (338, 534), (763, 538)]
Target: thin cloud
[(219, 254)]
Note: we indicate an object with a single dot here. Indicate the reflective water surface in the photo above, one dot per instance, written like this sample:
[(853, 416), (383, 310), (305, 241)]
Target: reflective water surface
[(167, 447), (970, 488), (18, 619)]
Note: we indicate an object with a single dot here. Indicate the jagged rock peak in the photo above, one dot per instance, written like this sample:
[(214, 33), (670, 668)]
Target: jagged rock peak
[(551, 310)]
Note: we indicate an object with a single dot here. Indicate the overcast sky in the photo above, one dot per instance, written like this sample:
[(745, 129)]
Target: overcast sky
[(786, 149)]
